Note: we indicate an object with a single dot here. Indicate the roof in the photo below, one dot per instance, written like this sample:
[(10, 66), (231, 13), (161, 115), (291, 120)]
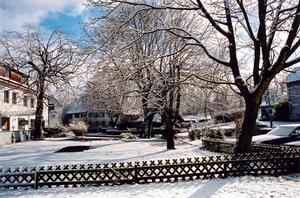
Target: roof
[(9, 82), (76, 107), (294, 76), (8, 67)]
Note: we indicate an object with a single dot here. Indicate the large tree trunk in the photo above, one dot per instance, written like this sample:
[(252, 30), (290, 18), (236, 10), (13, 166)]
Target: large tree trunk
[(245, 136), (39, 112), (148, 118), (169, 122)]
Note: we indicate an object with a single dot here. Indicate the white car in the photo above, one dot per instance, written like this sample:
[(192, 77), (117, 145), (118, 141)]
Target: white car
[(279, 135), (294, 143)]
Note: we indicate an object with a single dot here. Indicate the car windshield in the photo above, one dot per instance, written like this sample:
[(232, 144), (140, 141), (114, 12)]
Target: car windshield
[(281, 131)]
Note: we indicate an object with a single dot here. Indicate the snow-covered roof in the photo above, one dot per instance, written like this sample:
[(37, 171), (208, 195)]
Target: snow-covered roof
[(76, 107), (292, 77)]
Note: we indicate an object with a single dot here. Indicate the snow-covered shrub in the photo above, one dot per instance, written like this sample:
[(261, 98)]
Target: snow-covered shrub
[(176, 130), (127, 136), (216, 134), (79, 128), (197, 133), (56, 131), (63, 128), (191, 135)]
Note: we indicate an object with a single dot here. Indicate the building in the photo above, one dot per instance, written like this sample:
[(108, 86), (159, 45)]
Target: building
[(95, 119), (293, 87), (55, 112), (17, 103)]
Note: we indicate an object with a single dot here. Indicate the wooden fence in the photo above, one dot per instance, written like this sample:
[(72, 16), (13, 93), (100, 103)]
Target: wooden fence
[(274, 163)]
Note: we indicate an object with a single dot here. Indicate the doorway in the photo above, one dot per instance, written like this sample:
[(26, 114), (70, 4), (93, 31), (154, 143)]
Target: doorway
[(5, 124)]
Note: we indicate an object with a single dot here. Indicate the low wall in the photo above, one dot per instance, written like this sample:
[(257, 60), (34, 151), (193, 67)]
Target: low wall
[(228, 147), (11, 137), (218, 145)]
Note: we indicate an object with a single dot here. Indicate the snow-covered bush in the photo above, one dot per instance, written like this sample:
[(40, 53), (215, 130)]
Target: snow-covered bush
[(56, 131), (216, 134), (63, 128), (176, 130), (79, 128), (197, 133), (127, 136), (191, 135)]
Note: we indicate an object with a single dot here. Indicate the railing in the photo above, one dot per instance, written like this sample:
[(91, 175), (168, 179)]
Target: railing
[(271, 163)]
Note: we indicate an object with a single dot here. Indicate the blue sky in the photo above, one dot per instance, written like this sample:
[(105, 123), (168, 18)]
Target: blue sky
[(70, 24), (44, 14)]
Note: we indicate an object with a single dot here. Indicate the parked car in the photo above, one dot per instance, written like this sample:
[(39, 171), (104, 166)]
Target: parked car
[(114, 131), (279, 135), (294, 143)]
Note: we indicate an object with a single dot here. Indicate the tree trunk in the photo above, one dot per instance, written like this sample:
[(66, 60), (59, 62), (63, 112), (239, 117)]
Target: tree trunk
[(249, 122), (148, 124), (170, 129), (113, 121), (39, 112), (146, 113)]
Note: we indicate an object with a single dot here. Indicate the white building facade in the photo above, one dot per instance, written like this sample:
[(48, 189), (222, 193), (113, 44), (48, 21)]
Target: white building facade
[(17, 102)]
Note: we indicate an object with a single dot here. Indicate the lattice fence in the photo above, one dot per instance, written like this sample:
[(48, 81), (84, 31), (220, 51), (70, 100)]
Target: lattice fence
[(170, 170)]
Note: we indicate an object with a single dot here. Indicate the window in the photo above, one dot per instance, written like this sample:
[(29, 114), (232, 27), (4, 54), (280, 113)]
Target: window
[(6, 96), (93, 115), (14, 98), (31, 102), (25, 101), (296, 132)]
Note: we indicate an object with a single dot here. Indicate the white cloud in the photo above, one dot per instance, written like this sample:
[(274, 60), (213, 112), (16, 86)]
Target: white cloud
[(14, 14)]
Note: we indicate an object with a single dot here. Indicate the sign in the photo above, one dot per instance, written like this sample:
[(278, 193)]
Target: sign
[(23, 122)]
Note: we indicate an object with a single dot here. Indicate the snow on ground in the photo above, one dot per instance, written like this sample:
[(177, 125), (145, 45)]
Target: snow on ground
[(42, 153), (105, 151), (240, 187)]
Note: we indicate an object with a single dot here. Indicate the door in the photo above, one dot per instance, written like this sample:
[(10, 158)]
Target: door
[(5, 124), (32, 123)]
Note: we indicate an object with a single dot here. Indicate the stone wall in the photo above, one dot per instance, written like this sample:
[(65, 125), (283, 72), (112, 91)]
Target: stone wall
[(13, 137)]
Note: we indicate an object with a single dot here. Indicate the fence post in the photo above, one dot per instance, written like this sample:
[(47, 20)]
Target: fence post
[(36, 179)]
